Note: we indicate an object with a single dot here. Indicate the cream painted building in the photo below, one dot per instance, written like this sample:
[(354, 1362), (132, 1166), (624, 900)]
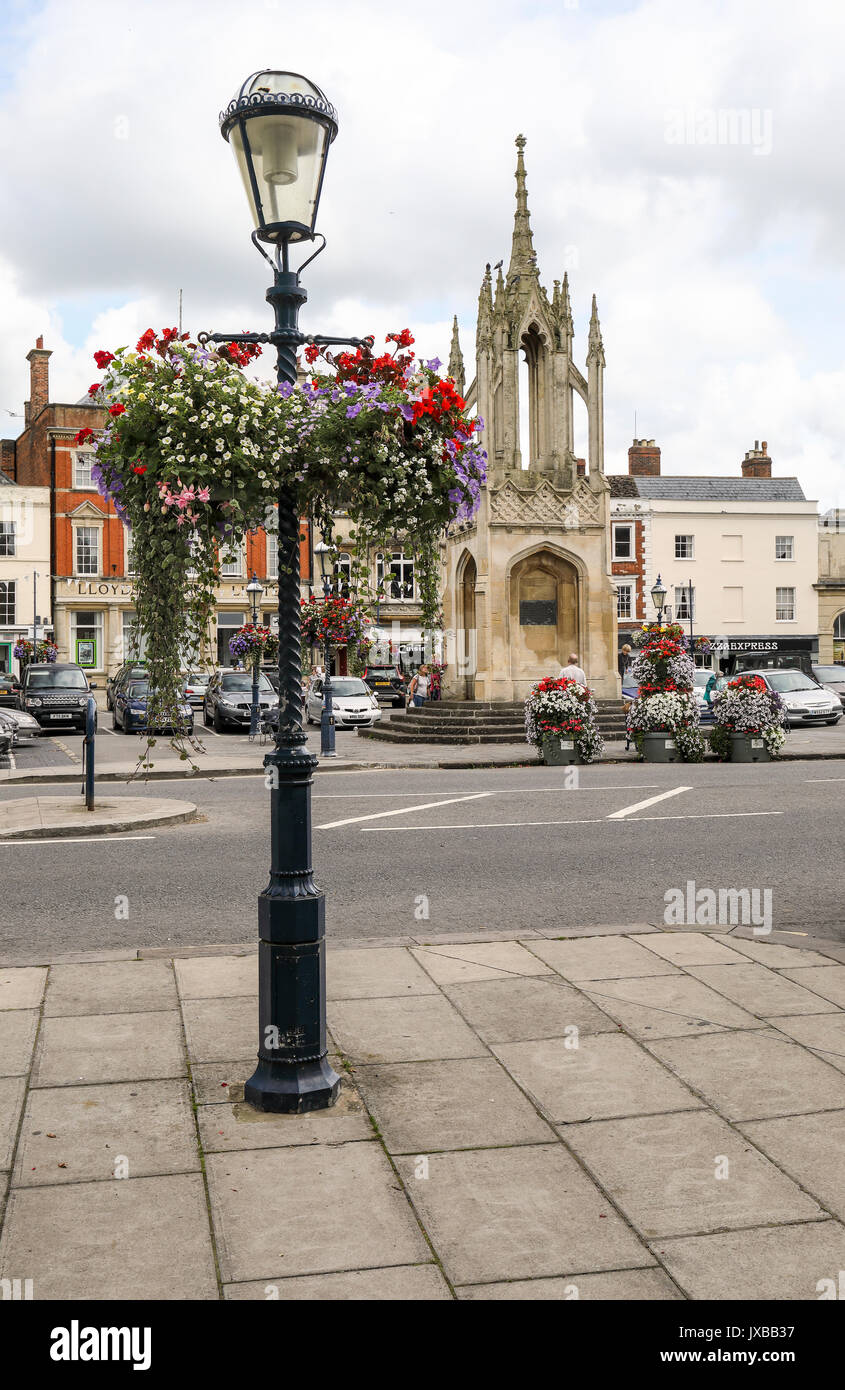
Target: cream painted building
[(831, 586), (738, 554), (24, 566)]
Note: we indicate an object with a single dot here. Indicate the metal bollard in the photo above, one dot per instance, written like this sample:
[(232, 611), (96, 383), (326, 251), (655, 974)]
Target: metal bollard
[(88, 753)]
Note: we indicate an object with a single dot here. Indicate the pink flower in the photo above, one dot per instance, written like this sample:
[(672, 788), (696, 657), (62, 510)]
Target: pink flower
[(203, 495)]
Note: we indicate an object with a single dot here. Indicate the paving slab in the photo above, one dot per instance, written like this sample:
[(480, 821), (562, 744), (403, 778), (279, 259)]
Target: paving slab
[(823, 1034), (518, 1213), (828, 981), (400, 1282), (667, 1006), (776, 957), (769, 1264), (423, 1106), (374, 972), (224, 1128), (142, 1238), (606, 1075), (601, 958), (12, 1091), (810, 1149), (109, 1047), (49, 817), (217, 1029), (110, 988), (760, 990), (22, 987), (217, 977), (76, 1133), (753, 1075), (416, 1028), (18, 1028), (681, 1174), (516, 1010), (322, 1209), (492, 960), (646, 1285), (689, 948), (221, 1082)]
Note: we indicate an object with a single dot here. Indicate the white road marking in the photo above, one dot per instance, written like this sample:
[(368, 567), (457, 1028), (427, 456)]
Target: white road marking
[(76, 839), (649, 801), (516, 824), (404, 811), (824, 779)]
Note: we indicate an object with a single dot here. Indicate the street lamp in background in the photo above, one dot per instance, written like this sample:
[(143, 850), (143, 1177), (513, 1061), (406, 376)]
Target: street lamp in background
[(327, 746), (255, 589), (658, 597), (280, 127)]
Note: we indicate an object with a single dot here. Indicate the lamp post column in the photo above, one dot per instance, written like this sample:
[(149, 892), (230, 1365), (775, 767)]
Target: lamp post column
[(327, 744), (293, 1072)]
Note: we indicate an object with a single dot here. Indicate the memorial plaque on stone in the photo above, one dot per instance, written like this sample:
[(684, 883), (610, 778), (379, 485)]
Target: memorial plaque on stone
[(538, 612)]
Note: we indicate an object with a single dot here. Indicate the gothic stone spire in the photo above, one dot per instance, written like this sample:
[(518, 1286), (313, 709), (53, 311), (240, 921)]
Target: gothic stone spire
[(485, 309), (456, 359), (595, 346), (523, 257)]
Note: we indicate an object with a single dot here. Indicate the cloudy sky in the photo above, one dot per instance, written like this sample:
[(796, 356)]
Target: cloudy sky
[(684, 162)]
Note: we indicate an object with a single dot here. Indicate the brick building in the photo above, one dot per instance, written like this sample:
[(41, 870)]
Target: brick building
[(91, 551)]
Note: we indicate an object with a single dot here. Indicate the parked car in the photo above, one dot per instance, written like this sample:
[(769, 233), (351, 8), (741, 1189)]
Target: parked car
[(354, 705), (10, 689), (130, 710), (130, 670), (227, 700), (387, 684), (8, 733), (701, 680), (26, 726), (832, 678), (194, 686), (806, 701), (55, 693), (271, 671)]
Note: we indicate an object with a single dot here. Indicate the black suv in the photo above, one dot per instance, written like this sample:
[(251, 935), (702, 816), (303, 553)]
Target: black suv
[(10, 689), (386, 684), (55, 693)]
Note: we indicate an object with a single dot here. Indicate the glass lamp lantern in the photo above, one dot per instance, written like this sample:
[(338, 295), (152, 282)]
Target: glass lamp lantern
[(280, 126), (658, 594)]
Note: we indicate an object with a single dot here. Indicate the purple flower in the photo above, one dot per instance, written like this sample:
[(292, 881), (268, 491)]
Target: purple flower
[(434, 365), (352, 411), (407, 412)]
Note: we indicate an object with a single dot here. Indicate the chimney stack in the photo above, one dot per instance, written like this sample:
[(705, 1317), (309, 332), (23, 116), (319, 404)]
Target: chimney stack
[(644, 459), (581, 468), (757, 463), (39, 380)]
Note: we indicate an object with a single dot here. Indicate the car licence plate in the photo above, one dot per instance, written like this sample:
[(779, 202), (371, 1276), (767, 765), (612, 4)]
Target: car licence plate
[(59, 716)]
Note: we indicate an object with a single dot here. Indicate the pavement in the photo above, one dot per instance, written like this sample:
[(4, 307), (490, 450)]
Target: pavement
[(50, 817), (609, 1113)]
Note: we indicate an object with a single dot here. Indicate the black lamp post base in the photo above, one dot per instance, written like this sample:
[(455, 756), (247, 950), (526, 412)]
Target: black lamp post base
[(292, 1089)]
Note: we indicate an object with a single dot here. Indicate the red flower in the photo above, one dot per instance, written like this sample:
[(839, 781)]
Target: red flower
[(117, 409), (312, 352), (139, 468), (103, 359), (83, 436), (92, 390), (146, 341)]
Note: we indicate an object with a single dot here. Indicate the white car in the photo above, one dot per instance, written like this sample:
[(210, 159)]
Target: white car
[(354, 705), (805, 701), (27, 726)]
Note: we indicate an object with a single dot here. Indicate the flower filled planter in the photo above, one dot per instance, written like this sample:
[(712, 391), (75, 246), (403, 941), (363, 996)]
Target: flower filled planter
[(195, 455), (663, 720), (751, 724), (561, 721), (254, 643)]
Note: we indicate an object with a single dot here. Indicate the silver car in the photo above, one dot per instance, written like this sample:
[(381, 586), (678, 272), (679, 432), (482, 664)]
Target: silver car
[(26, 725), (805, 701), (354, 705)]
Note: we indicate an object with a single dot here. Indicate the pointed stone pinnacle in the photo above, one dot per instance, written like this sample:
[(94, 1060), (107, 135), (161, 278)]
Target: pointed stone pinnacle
[(523, 259), (456, 359)]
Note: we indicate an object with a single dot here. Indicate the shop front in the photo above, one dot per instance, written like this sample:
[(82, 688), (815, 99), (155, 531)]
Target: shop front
[(93, 622), (732, 655)]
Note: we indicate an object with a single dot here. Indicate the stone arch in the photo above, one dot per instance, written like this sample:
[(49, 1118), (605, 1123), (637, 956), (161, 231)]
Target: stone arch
[(546, 592), (839, 636), (466, 575), (535, 343)]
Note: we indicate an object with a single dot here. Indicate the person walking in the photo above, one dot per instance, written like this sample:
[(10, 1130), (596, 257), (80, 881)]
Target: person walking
[(573, 671), (624, 660), (419, 687)]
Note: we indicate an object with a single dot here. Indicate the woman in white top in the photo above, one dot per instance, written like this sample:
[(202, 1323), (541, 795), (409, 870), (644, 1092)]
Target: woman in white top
[(418, 689)]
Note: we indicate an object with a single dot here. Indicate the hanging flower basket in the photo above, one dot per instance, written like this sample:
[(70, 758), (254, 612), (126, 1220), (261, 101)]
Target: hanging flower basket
[(254, 643), (561, 720), (45, 650), (751, 723), (195, 454)]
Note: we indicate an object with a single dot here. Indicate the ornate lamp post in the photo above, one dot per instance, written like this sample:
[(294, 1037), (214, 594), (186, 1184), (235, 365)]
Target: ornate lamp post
[(327, 745), (658, 597), (280, 127), (255, 589)]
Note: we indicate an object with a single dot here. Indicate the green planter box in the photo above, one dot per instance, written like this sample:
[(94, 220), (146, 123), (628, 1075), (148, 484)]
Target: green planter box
[(557, 751), (660, 748), (749, 748)]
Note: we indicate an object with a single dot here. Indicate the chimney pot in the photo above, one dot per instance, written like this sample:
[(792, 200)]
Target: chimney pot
[(644, 459)]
